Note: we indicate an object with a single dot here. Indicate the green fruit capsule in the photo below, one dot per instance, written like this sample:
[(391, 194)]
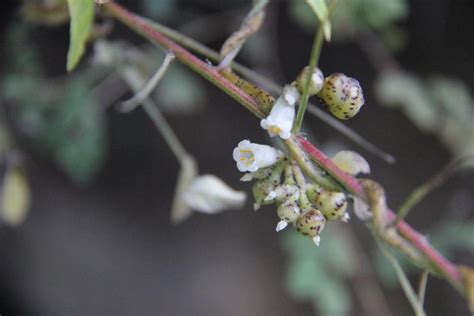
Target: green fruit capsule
[(316, 81), (342, 96), (288, 211), (332, 204), (310, 224)]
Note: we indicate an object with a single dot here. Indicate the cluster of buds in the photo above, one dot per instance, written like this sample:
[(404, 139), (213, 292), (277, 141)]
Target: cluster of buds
[(307, 206)]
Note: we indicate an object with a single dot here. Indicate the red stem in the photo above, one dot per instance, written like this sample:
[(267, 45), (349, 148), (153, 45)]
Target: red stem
[(352, 185), (209, 72)]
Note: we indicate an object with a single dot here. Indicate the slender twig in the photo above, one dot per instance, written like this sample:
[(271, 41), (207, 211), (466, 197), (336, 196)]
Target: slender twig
[(402, 278), (207, 71), (422, 287), (130, 77), (313, 63), (276, 89), (143, 94)]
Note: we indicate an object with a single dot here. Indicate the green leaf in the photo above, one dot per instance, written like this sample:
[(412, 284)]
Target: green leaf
[(82, 14), (322, 13)]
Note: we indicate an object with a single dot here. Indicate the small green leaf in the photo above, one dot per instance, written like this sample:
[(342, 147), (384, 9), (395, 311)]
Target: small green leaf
[(82, 13), (321, 10)]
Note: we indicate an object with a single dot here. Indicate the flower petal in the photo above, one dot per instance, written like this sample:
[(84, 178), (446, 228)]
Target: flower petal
[(351, 162), (209, 194)]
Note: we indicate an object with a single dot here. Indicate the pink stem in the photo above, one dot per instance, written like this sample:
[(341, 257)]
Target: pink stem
[(352, 185)]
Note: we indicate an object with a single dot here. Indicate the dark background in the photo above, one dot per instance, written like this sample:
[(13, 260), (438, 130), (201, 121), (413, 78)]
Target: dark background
[(109, 249)]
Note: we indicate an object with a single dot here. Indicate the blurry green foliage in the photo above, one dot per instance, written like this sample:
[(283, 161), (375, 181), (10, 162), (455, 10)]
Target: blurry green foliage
[(82, 16), (61, 118), (353, 16), (320, 274), (440, 105)]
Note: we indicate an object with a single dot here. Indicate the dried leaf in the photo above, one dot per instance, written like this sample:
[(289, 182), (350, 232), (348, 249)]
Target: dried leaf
[(15, 198), (249, 26)]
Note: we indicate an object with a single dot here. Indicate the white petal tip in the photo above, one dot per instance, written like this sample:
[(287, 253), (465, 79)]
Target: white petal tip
[(246, 177), (271, 196), (346, 218), (281, 225), (317, 240), (256, 206)]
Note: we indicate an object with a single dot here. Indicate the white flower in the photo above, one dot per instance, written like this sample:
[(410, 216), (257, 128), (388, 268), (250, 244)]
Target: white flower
[(209, 194), (280, 120), (291, 94), (251, 157)]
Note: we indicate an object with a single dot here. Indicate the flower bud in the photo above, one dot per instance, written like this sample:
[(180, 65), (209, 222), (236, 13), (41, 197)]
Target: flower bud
[(264, 190), (289, 211), (316, 81), (310, 224), (332, 204), (342, 96)]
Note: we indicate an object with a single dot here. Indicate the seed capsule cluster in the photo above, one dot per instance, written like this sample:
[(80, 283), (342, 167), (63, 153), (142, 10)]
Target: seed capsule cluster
[(306, 206), (341, 95)]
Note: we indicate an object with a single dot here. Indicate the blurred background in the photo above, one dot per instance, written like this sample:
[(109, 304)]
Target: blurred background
[(85, 223)]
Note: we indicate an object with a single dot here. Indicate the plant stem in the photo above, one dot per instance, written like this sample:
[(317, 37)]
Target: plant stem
[(351, 184), (143, 94), (209, 72), (276, 89), (422, 287), (313, 63), (402, 278), (155, 115)]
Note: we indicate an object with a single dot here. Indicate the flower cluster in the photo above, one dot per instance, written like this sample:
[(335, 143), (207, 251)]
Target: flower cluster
[(341, 95), (307, 206)]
